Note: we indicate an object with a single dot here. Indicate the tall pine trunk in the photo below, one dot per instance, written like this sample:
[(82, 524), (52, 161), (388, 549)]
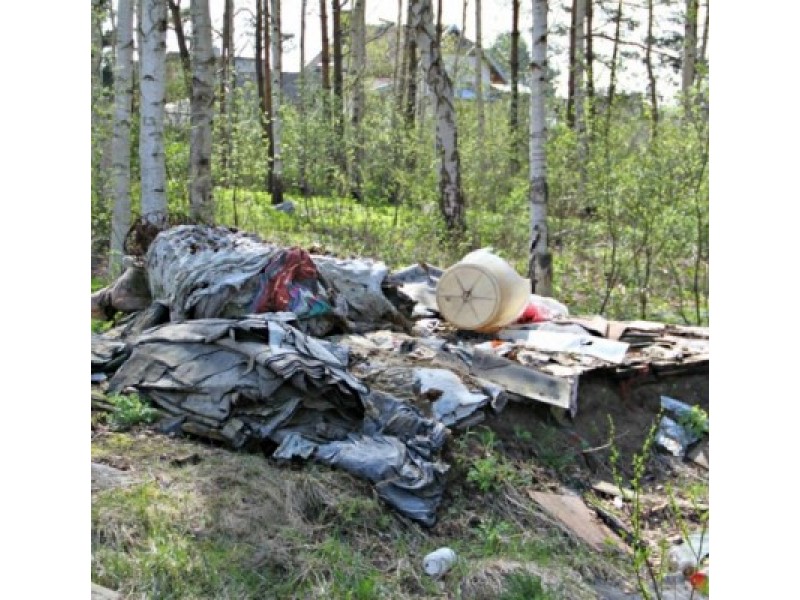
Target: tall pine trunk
[(580, 98), (612, 82), (590, 61), (651, 77), (451, 196), (513, 113), (152, 80), (183, 49), (338, 85), (359, 51), (689, 50), (479, 94), (121, 142), (267, 105), (201, 202), (540, 265), (304, 187), (571, 74), (325, 56), (274, 21), (411, 71), (226, 83)]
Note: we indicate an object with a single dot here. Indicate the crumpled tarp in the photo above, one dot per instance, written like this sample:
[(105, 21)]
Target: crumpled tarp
[(206, 272), (257, 381)]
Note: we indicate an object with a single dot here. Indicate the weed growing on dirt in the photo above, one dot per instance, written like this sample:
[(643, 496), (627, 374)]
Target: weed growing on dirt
[(643, 559), (130, 410), (525, 586)]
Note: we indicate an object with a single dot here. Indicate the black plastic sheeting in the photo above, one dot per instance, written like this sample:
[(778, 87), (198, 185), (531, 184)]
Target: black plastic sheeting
[(257, 382)]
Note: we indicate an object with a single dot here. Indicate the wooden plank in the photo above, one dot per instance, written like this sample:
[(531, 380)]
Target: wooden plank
[(578, 518), (101, 593), (525, 381)]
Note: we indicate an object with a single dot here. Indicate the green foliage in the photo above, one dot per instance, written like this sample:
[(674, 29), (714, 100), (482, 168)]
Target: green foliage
[(695, 421), (629, 239), (525, 586), (130, 410)]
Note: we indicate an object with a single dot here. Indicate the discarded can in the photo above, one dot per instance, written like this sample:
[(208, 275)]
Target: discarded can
[(439, 562)]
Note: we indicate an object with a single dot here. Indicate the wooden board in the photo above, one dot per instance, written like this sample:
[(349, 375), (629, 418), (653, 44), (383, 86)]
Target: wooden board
[(578, 518)]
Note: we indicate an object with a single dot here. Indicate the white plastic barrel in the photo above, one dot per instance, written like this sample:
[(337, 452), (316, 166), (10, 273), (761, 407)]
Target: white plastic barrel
[(482, 292)]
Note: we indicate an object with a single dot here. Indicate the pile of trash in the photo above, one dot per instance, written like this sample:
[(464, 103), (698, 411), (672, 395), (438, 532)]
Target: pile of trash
[(259, 346)]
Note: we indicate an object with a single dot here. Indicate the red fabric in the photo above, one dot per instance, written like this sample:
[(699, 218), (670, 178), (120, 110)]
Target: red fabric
[(294, 264)]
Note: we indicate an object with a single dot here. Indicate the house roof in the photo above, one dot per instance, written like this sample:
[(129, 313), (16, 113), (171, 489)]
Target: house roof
[(464, 44)]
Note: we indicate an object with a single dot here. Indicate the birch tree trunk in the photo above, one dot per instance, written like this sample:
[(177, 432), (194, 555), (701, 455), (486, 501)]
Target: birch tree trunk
[(451, 196), (201, 202), (359, 50), (121, 141), (540, 265), (152, 88), (689, 49), (275, 72)]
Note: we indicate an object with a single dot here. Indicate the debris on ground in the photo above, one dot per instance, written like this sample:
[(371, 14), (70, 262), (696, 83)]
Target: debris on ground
[(340, 361)]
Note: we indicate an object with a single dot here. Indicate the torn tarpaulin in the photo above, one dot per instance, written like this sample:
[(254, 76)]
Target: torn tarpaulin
[(254, 381)]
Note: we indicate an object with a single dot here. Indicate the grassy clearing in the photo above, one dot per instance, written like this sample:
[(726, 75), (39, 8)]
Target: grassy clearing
[(236, 525)]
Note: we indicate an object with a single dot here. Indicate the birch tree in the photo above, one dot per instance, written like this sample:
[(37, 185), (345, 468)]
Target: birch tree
[(451, 198), (275, 73), (201, 203), (121, 140), (152, 79), (540, 265)]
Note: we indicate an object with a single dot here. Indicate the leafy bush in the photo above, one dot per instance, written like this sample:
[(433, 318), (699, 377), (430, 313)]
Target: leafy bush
[(130, 410)]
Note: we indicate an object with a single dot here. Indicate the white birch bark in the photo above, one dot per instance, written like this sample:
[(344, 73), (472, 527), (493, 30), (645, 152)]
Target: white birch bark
[(152, 73), (201, 202), (120, 143), (275, 76), (540, 265), (451, 197)]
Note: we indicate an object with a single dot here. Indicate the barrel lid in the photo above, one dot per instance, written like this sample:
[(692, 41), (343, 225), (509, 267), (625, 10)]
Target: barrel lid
[(468, 296)]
